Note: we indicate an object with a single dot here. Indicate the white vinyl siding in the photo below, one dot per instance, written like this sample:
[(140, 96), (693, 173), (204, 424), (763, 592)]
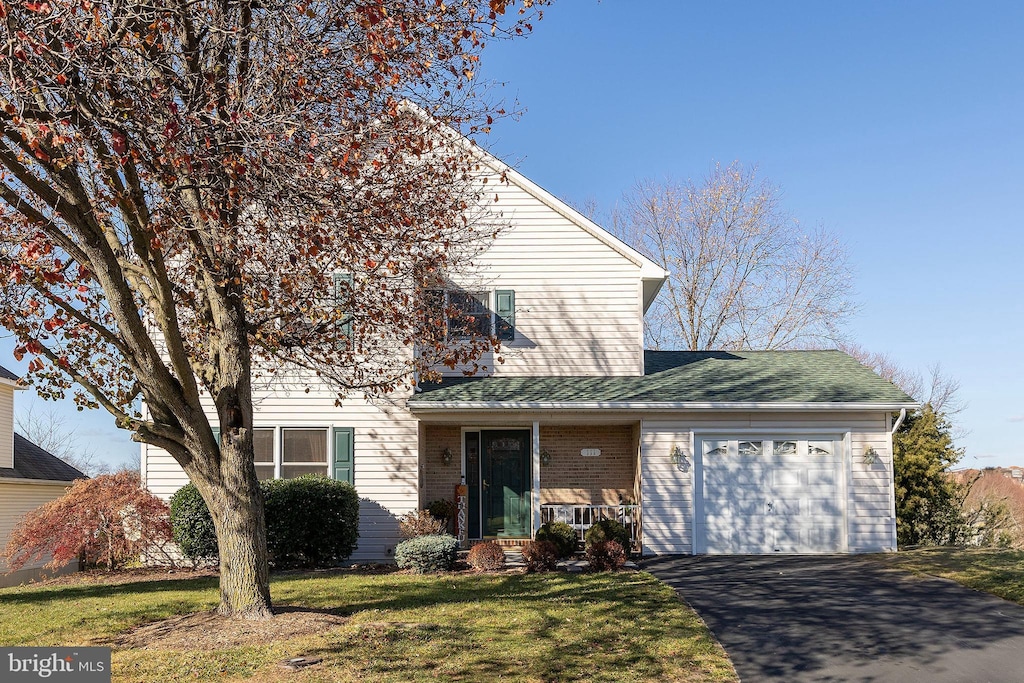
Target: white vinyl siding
[(6, 426), (18, 499), (668, 490), (577, 300), (385, 459)]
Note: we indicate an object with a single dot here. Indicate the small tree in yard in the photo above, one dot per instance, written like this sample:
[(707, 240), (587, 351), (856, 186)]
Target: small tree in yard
[(195, 194), (928, 500), (107, 521)]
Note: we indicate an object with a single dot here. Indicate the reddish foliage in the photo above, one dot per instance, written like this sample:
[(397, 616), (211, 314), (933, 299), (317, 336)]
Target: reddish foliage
[(486, 556), (606, 556), (107, 521), (540, 556)]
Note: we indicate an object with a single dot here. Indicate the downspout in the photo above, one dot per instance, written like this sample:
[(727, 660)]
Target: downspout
[(899, 420), (892, 479)]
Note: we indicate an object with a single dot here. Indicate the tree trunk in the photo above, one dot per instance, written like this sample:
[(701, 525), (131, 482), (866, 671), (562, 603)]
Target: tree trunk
[(238, 518)]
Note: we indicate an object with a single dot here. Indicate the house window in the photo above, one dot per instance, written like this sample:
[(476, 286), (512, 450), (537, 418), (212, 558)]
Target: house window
[(263, 452), (471, 314), (303, 451)]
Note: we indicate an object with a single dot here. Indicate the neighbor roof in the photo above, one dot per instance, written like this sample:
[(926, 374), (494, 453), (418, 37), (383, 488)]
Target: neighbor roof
[(680, 379), (7, 374), (32, 462)]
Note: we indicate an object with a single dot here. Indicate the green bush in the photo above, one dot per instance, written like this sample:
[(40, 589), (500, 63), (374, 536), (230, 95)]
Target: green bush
[(312, 521), (540, 556), (443, 509), (433, 553), (608, 530), (486, 556), (562, 535), (605, 556), (192, 525)]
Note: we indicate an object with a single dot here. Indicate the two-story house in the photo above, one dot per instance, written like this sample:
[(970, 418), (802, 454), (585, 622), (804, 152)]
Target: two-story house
[(29, 477), (696, 452)]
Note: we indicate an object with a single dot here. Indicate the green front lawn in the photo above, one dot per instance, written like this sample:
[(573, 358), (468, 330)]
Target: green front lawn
[(605, 627), (1000, 572)]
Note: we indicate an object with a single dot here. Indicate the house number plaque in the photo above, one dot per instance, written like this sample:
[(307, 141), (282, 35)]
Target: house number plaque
[(590, 452)]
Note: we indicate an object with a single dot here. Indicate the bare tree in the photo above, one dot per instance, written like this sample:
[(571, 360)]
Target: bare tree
[(936, 388), (50, 430), (194, 190), (744, 275)]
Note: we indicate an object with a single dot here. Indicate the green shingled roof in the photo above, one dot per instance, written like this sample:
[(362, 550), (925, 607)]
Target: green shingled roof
[(698, 377)]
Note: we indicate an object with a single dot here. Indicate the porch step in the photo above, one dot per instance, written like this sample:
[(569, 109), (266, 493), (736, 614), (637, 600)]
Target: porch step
[(507, 544)]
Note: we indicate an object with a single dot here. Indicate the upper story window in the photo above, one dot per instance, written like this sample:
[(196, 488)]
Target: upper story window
[(476, 313)]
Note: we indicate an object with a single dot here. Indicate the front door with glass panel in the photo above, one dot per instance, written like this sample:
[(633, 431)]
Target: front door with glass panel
[(504, 488)]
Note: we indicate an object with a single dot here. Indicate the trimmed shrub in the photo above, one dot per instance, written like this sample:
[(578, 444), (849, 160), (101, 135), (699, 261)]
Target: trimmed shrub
[(420, 523), (562, 535), (192, 525), (608, 530), (486, 556), (433, 553), (605, 556), (540, 556), (312, 521)]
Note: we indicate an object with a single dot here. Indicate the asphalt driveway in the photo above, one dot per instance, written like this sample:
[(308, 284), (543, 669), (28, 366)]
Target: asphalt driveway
[(846, 618)]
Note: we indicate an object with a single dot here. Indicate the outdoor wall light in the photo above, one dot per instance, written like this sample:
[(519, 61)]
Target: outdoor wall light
[(870, 455), (678, 457), (545, 457), (446, 456)]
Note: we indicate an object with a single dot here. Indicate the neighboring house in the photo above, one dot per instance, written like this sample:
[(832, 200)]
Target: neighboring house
[(29, 477), (702, 452)]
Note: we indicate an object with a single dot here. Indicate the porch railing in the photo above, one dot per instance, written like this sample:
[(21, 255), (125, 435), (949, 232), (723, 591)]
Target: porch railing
[(582, 517)]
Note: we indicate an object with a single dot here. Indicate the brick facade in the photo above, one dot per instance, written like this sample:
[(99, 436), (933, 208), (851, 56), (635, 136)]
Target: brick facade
[(439, 480), (572, 478), (569, 478)]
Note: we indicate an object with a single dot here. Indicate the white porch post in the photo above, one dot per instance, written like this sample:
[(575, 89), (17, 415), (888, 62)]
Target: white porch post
[(535, 498)]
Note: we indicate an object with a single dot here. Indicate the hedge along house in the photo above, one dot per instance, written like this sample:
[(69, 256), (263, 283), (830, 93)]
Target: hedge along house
[(694, 452)]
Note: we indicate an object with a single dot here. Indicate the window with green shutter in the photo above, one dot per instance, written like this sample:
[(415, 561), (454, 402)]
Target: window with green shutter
[(344, 454), (505, 314)]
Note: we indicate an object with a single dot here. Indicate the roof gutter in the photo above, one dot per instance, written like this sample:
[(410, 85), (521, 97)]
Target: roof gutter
[(430, 406), (899, 420)]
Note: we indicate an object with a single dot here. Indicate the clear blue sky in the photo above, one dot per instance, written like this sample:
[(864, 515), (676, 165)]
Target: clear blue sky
[(900, 126)]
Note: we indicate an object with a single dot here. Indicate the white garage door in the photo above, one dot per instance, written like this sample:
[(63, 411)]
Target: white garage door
[(779, 495)]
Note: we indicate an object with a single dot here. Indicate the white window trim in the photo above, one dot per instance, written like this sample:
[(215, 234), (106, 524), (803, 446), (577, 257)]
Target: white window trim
[(279, 446)]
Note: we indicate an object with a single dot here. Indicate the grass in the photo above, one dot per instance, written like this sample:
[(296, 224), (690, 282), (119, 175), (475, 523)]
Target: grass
[(1000, 572), (604, 627)]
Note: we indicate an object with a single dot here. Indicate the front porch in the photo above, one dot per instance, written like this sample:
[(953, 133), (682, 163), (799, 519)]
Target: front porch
[(518, 477)]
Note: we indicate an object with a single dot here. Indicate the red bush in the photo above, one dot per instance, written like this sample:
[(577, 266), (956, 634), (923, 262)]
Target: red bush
[(486, 556), (540, 556), (606, 556), (107, 520)]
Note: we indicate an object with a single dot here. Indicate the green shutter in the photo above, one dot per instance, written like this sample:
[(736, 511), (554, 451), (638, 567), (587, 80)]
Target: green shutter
[(342, 297), (344, 461), (216, 435), (505, 307)]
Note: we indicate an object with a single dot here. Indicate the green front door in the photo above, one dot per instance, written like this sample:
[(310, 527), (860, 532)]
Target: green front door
[(505, 476)]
